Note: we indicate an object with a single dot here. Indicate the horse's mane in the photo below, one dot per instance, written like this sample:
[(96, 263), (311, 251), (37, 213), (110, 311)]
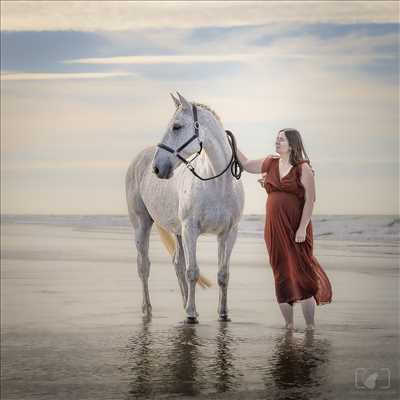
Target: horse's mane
[(206, 107)]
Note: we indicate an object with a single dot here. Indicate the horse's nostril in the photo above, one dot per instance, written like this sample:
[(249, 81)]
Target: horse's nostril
[(155, 170)]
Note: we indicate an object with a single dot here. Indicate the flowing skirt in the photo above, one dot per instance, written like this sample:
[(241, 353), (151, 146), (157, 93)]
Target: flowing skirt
[(297, 273)]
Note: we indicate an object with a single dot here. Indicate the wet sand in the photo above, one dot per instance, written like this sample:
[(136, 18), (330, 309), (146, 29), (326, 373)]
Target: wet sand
[(71, 323)]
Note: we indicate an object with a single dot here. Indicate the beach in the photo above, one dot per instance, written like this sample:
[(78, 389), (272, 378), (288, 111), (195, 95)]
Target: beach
[(72, 327)]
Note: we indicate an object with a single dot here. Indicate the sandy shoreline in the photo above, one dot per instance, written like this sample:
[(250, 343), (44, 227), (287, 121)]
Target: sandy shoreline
[(72, 326)]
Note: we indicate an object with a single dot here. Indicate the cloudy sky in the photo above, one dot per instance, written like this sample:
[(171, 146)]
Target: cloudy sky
[(85, 86)]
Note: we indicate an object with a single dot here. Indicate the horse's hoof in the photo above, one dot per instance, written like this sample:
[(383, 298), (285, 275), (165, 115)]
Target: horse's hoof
[(146, 318), (147, 309), (310, 328), (224, 318), (191, 320)]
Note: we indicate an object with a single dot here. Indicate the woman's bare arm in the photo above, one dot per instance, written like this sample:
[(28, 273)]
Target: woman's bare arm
[(251, 166), (307, 180)]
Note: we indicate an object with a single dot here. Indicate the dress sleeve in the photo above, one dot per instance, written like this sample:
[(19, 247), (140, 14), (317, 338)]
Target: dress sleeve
[(300, 169), (266, 164)]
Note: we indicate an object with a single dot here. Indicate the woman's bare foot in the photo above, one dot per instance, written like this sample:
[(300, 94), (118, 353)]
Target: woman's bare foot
[(289, 326), (310, 327)]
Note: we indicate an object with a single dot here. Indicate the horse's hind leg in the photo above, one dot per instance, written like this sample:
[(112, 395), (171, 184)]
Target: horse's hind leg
[(226, 242), (180, 269), (142, 223), (142, 235)]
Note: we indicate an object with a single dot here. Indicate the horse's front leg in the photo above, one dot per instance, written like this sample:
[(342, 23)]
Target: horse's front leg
[(189, 242), (226, 242), (180, 268)]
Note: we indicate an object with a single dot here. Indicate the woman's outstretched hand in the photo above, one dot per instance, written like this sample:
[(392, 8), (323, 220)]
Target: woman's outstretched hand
[(261, 180)]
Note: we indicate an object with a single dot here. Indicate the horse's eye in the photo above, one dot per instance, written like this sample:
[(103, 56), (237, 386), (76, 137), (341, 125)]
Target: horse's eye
[(176, 127)]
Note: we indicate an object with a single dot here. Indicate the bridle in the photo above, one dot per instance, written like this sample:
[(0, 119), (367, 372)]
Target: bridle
[(234, 163)]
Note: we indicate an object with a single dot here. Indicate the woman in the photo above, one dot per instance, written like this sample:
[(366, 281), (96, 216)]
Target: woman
[(288, 233)]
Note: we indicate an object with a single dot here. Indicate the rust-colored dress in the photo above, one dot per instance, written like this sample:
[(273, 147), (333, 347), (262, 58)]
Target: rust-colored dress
[(297, 273)]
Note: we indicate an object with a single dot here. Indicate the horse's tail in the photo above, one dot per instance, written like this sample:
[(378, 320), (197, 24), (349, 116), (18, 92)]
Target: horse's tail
[(171, 245)]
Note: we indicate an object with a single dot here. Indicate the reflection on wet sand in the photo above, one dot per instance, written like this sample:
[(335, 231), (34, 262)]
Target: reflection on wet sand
[(227, 376), (177, 362), (141, 359), (163, 363), (183, 361), (182, 372), (296, 368)]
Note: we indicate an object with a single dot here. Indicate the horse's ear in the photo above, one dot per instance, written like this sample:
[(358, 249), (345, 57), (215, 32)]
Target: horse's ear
[(185, 104), (176, 101)]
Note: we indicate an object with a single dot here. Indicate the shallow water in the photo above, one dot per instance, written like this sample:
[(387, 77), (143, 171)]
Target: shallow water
[(72, 324)]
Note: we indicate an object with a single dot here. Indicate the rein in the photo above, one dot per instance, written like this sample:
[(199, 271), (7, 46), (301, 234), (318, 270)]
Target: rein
[(234, 163)]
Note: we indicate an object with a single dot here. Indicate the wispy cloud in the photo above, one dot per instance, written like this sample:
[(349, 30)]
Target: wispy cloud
[(167, 59), (50, 76), (68, 165), (125, 15)]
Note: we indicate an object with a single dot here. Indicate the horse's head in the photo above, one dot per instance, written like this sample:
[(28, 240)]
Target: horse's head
[(179, 131)]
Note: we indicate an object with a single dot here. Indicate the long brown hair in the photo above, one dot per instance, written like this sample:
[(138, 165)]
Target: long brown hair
[(297, 148)]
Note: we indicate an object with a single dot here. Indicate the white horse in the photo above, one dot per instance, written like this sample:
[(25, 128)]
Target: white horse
[(160, 189)]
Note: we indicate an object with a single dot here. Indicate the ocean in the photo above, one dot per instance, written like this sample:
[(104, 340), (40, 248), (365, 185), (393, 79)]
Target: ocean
[(325, 227)]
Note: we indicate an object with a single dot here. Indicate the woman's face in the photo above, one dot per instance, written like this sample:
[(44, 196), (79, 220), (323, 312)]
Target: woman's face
[(282, 144)]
